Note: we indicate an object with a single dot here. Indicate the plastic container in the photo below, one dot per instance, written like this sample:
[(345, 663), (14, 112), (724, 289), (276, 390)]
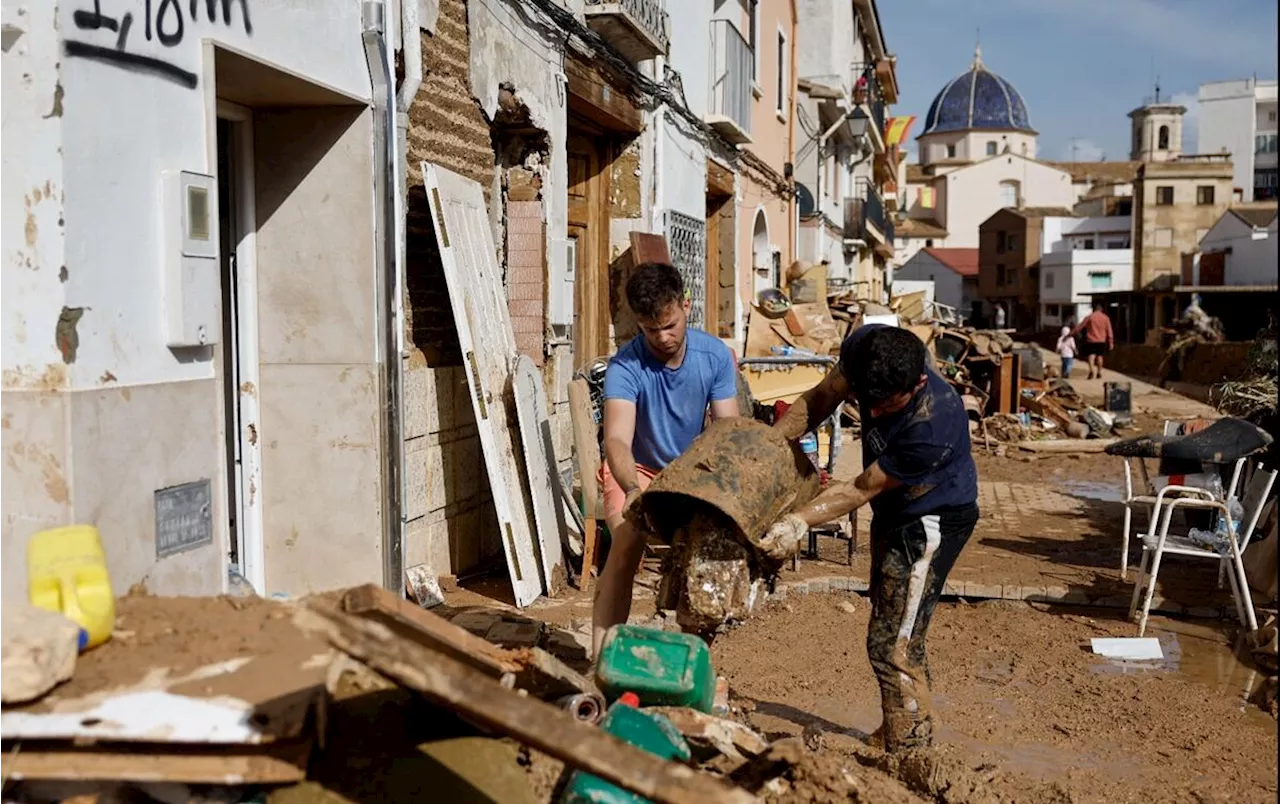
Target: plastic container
[(809, 445), (661, 668), (67, 573), (649, 732)]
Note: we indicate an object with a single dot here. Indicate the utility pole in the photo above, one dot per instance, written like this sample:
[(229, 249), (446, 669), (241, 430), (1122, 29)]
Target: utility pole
[(1075, 148)]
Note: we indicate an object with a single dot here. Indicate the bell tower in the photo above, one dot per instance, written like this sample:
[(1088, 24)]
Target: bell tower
[(1156, 131)]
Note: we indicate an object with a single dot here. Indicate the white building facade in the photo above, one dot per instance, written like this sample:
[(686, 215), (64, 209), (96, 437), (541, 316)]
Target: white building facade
[(1240, 118), (1245, 241), (1082, 256)]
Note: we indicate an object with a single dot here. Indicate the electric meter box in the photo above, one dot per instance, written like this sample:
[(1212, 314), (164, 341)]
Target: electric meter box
[(191, 276)]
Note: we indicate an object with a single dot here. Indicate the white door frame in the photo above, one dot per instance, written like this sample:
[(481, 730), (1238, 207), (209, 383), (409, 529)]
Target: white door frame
[(247, 472)]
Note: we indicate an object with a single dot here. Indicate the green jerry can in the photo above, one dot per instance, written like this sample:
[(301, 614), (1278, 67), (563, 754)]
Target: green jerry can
[(661, 668), (649, 732)]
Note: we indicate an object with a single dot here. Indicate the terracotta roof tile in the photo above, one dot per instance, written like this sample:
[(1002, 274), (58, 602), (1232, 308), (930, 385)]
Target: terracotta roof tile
[(1099, 172), (964, 261)]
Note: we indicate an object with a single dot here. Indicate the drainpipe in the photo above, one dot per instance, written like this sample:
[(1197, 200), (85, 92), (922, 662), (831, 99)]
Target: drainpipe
[(387, 284)]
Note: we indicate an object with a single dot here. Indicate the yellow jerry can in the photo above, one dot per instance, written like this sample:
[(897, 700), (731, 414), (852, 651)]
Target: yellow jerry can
[(67, 573)]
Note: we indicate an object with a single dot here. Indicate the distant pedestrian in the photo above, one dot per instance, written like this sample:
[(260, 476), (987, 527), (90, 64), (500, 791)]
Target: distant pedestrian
[(999, 316), (1067, 349), (1099, 338)]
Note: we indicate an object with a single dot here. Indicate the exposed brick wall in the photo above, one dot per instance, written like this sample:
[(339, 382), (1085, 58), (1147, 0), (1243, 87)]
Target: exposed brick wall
[(452, 524), (526, 276)]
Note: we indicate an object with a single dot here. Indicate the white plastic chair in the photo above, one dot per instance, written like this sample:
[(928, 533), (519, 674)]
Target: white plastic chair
[(1137, 496), (1155, 546)]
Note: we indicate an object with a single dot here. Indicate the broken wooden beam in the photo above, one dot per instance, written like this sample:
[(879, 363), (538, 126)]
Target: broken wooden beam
[(732, 739), (532, 669), (479, 699)]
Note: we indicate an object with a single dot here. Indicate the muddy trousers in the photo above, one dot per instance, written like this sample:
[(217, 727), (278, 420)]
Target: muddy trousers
[(909, 564)]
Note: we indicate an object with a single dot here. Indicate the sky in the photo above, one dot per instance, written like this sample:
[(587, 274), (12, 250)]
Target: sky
[(1080, 65)]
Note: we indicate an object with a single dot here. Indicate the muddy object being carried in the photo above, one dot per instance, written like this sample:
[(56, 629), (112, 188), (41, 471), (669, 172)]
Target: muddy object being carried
[(743, 468), (713, 505)]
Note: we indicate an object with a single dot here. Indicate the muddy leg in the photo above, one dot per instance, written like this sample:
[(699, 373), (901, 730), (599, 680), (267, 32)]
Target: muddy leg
[(613, 592), (909, 566)]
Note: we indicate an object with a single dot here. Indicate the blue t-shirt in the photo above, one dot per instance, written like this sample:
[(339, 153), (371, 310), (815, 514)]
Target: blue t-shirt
[(671, 404), (925, 446)]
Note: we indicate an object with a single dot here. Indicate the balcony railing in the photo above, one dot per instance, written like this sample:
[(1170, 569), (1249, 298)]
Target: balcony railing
[(867, 91), (865, 220), (639, 29), (731, 62)]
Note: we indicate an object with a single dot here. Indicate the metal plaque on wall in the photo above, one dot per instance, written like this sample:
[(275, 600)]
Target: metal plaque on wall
[(184, 517)]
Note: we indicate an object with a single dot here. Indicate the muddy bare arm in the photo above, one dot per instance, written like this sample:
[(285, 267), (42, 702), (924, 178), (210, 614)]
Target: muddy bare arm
[(841, 498), (619, 430), (725, 409), (815, 406)]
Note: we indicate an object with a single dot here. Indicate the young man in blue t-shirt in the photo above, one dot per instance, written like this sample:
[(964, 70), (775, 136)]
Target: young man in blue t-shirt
[(922, 484), (656, 394)]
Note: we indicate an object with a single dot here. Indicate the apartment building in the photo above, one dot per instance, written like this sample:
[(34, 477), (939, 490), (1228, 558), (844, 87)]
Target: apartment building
[(1239, 118), (844, 167)]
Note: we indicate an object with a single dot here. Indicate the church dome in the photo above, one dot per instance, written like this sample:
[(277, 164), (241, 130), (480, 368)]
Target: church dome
[(977, 99)]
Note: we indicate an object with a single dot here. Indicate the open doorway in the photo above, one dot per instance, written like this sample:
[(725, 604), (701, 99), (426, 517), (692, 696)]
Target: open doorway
[(238, 348)]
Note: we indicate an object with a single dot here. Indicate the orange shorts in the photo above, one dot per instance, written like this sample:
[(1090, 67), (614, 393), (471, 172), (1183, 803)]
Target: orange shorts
[(614, 496)]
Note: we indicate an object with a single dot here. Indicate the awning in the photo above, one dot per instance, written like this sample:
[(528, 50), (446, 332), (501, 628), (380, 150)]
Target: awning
[(1225, 289)]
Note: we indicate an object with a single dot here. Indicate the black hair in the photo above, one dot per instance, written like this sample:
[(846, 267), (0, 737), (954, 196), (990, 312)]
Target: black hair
[(1098, 305), (887, 361), (652, 287)]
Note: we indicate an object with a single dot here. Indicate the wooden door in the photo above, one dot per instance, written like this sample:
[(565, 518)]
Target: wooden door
[(589, 233)]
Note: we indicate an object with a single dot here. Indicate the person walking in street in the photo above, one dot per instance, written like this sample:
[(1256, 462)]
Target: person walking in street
[(922, 484), (1099, 338), (657, 390), (1067, 349)]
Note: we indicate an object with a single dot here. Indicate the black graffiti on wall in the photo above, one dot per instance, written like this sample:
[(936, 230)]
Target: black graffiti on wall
[(162, 20)]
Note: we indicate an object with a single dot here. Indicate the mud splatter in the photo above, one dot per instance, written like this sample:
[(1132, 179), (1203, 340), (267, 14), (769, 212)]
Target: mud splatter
[(65, 334)]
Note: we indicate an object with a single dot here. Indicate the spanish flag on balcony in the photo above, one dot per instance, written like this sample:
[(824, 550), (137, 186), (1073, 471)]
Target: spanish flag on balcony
[(896, 129)]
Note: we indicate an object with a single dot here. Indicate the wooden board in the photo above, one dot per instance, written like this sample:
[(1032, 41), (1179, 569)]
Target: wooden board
[(531, 669), (541, 471), (1065, 445), (488, 345), (281, 763), (646, 247), (539, 725)]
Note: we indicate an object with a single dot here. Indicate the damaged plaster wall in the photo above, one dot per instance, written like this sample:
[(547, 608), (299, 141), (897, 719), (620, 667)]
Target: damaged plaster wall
[(448, 505), (36, 494), (98, 411)]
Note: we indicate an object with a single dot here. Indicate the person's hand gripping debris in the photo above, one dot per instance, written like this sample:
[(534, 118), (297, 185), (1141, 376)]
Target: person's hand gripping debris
[(783, 538)]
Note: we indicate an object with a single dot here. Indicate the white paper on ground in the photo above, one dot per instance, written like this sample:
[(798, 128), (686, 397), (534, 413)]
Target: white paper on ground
[(1135, 648)]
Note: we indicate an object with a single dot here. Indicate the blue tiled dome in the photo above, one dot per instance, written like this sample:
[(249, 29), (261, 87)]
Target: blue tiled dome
[(977, 99)]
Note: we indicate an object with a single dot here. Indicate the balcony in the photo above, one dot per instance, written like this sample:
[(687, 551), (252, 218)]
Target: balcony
[(869, 97), (731, 62), (638, 29), (865, 221)]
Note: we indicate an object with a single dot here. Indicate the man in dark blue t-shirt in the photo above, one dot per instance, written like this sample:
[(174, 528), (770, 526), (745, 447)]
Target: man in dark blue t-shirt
[(921, 482)]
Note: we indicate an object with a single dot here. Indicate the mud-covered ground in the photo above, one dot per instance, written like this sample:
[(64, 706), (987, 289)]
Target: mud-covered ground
[(1023, 703)]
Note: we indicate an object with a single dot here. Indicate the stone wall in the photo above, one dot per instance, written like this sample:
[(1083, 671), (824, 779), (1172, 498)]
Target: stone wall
[(451, 520)]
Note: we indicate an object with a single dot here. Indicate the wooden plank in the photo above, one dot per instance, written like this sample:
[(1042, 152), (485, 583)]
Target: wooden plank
[(719, 180), (533, 669), (279, 763), (1062, 446), (646, 247), (586, 444), (541, 472), (593, 96), (429, 629), (539, 725)]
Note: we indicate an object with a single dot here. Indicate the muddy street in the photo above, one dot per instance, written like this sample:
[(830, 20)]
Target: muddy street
[(1017, 689)]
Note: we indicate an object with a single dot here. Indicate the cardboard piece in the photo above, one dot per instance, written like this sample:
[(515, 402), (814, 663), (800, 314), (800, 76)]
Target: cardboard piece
[(1128, 648)]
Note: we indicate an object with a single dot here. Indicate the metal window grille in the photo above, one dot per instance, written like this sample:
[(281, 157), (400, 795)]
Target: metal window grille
[(687, 244)]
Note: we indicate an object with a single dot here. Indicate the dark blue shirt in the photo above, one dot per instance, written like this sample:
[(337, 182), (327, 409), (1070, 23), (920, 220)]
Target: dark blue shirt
[(925, 446)]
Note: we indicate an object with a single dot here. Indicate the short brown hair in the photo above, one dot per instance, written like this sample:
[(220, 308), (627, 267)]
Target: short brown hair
[(652, 287)]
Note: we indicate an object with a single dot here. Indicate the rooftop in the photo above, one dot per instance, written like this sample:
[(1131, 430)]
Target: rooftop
[(1099, 172), (964, 261), (1257, 215), (919, 227)]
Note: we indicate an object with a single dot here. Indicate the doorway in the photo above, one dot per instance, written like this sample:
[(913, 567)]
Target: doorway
[(588, 233), (238, 347)]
